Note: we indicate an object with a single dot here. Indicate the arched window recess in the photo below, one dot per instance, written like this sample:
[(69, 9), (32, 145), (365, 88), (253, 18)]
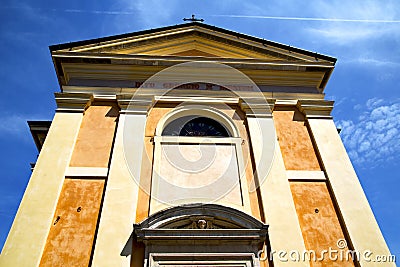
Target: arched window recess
[(196, 121), (193, 125)]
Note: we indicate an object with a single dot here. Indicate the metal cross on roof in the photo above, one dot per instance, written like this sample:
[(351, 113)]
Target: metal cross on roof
[(193, 19)]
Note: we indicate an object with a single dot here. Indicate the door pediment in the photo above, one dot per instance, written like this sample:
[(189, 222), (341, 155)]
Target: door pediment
[(201, 228)]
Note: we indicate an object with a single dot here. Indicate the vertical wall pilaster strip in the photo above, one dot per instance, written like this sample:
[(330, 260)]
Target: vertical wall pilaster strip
[(27, 237), (360, 222), (280, 213), (119, 206)]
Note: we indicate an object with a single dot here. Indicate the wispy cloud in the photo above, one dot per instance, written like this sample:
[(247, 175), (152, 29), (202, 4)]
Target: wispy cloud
[(374, 137), (309, 19), (369, 61), (16, 125), (343, 32), (337, 22), (148, 13)]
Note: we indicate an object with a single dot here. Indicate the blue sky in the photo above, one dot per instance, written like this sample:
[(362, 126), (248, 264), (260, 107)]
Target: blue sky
[(363, 35)]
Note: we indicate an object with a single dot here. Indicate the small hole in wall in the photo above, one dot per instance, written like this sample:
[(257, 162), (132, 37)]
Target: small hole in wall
[(316, 210), (79, 209), (57, 219)]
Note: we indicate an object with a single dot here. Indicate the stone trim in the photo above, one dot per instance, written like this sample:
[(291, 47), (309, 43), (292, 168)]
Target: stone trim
[(72, 102), (257, 107), (316, 109), (86, 172), (238, 238), (134, 104), (306, 175), (163, 218), (199, 259), (198, 110)]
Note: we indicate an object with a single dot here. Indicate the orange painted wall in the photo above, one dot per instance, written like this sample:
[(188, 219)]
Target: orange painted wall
[(155, 114), (143, 204), (321, 230), (95, 138), (70, 239), (294, 140)]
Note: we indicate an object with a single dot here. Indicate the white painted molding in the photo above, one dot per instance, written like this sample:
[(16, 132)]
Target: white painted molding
[(286, 102), (305, 175), (86, 171), (197, 99), (101, 97), (198, 110)]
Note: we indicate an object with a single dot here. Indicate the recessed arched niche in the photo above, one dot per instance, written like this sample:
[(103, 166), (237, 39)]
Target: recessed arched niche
[(197, 158), (195, 126)]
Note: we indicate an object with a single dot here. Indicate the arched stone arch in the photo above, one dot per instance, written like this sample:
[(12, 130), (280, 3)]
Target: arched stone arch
[(201, 111), (180, 217)]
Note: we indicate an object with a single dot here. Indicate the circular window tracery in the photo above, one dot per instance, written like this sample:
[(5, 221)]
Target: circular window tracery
[(195, 126)]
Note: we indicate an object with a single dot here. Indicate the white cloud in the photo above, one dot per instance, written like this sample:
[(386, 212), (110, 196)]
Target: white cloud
[(374, 137)]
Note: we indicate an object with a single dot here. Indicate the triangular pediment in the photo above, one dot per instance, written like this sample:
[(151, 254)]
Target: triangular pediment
[(192, 40), (129, 59)]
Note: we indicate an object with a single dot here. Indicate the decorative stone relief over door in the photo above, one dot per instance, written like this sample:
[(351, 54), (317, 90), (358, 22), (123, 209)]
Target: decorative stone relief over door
[(201, 235)]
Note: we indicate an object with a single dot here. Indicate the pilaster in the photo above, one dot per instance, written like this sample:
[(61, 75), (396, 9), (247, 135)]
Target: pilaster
[(28, 234), (119, 205), (353, 205), (277, 201)]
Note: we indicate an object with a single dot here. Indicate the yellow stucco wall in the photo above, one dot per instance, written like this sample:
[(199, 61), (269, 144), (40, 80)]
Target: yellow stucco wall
[(34, 218), (357, 215)]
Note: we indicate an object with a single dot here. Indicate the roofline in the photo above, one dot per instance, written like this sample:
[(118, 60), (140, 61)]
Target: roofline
[(178, 26), (37, 127)]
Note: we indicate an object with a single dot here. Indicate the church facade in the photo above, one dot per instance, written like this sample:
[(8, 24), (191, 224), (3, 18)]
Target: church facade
[(191, 145)]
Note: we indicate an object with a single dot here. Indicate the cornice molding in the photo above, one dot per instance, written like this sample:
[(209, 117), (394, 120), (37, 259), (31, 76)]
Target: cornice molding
[(134, 104), (257, 107), (316, 109), (72, 102), (82, 68), (168, 60), (197, 99), (286, 102)]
